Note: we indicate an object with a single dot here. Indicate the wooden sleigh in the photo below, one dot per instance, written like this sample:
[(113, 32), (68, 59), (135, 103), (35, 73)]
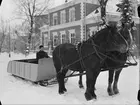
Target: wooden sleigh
[(42, 72)]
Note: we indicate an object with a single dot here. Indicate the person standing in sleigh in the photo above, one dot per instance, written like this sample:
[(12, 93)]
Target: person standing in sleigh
[(41, 53)]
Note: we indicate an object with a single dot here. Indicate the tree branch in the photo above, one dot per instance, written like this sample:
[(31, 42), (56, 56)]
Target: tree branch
[(106, 2)]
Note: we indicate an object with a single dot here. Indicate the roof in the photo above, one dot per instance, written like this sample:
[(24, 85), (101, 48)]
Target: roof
[(73, 2), (111, 16)]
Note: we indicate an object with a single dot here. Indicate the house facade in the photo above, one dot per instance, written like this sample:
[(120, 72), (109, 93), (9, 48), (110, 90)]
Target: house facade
[(73, 22)]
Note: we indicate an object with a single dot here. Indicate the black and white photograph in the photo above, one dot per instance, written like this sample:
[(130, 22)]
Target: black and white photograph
[(70, 52)]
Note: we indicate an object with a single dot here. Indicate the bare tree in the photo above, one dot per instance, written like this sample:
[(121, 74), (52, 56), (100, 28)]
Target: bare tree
[(3, 31), (103, 4), (28, 9)]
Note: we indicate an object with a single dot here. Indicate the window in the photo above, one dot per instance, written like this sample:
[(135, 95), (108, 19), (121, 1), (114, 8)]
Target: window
[(46, 39), (63, 17), (42, 40), (63, 36), (55, 39), (73, 40), (55, 19), (72, 36), (71, 14)]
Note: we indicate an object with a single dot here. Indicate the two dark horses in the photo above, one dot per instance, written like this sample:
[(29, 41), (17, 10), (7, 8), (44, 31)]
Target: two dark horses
[(92, 55)]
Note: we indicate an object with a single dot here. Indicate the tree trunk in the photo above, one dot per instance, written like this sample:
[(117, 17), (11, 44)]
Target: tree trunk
[(2, 41), (30, 34), (103, 10)]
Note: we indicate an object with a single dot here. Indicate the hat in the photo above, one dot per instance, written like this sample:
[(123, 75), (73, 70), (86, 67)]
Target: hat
[(41, 46)]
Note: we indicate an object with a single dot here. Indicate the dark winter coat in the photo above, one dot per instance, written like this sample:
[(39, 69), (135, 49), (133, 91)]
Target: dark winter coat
[(41, 54)]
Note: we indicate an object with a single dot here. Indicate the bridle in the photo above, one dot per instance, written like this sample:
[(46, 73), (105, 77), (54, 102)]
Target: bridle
[(124, 40), (130, 36)]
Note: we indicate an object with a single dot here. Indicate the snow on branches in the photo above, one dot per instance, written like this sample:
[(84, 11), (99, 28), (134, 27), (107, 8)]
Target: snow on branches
[(125, 7)]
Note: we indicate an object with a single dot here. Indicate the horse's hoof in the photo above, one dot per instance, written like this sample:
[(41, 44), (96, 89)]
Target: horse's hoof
[(89, 97), (90, 102), (65, 90), (110, 92), (116, 92), (61, 92), (81, 86)]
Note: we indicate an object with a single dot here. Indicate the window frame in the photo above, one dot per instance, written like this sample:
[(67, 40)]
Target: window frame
[(72, 31), (55, 16), (46, 39), (72, 14), (55, 34), (61, 38), (62, 17)]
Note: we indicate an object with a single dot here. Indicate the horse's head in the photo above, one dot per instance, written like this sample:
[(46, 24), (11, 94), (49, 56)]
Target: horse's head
[(113, 40), (125, 31)]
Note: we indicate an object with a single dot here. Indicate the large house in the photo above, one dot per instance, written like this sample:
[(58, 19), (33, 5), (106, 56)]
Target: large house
[(73, 21)]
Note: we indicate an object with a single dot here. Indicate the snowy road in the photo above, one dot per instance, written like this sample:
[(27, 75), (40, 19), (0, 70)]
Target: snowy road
[(17, 91)]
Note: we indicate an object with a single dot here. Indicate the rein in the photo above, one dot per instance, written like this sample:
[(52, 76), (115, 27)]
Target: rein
[(119, 61), (98, 53), (65, 67), (124, 40)]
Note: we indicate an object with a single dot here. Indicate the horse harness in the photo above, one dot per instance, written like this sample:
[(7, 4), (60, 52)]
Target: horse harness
[(79, 50), (81, 58)]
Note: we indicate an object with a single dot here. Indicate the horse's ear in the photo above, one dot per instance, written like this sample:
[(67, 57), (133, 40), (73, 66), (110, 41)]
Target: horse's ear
[(123, 24), (132, 24)]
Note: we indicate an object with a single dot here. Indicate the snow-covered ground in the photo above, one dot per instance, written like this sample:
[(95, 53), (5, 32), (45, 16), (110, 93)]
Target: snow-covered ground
[(16, 91)]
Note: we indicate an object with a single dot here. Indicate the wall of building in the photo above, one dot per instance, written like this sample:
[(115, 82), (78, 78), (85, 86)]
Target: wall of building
[(79, 23), (77, 32), (77, 14)]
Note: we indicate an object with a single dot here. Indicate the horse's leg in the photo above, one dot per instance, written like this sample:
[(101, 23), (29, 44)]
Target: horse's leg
[(80, 81), (115, 87), (64, 74), (60, 82), (60, 78), (91, 77), (110, 80)]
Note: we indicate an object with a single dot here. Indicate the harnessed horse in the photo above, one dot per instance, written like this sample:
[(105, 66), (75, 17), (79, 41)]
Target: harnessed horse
[(90, 54), (116, 61)]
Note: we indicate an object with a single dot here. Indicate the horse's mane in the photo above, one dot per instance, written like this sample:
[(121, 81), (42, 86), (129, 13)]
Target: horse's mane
[(111, 27)]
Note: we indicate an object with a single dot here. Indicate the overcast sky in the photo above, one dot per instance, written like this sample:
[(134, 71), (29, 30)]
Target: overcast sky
[(7, 8)]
